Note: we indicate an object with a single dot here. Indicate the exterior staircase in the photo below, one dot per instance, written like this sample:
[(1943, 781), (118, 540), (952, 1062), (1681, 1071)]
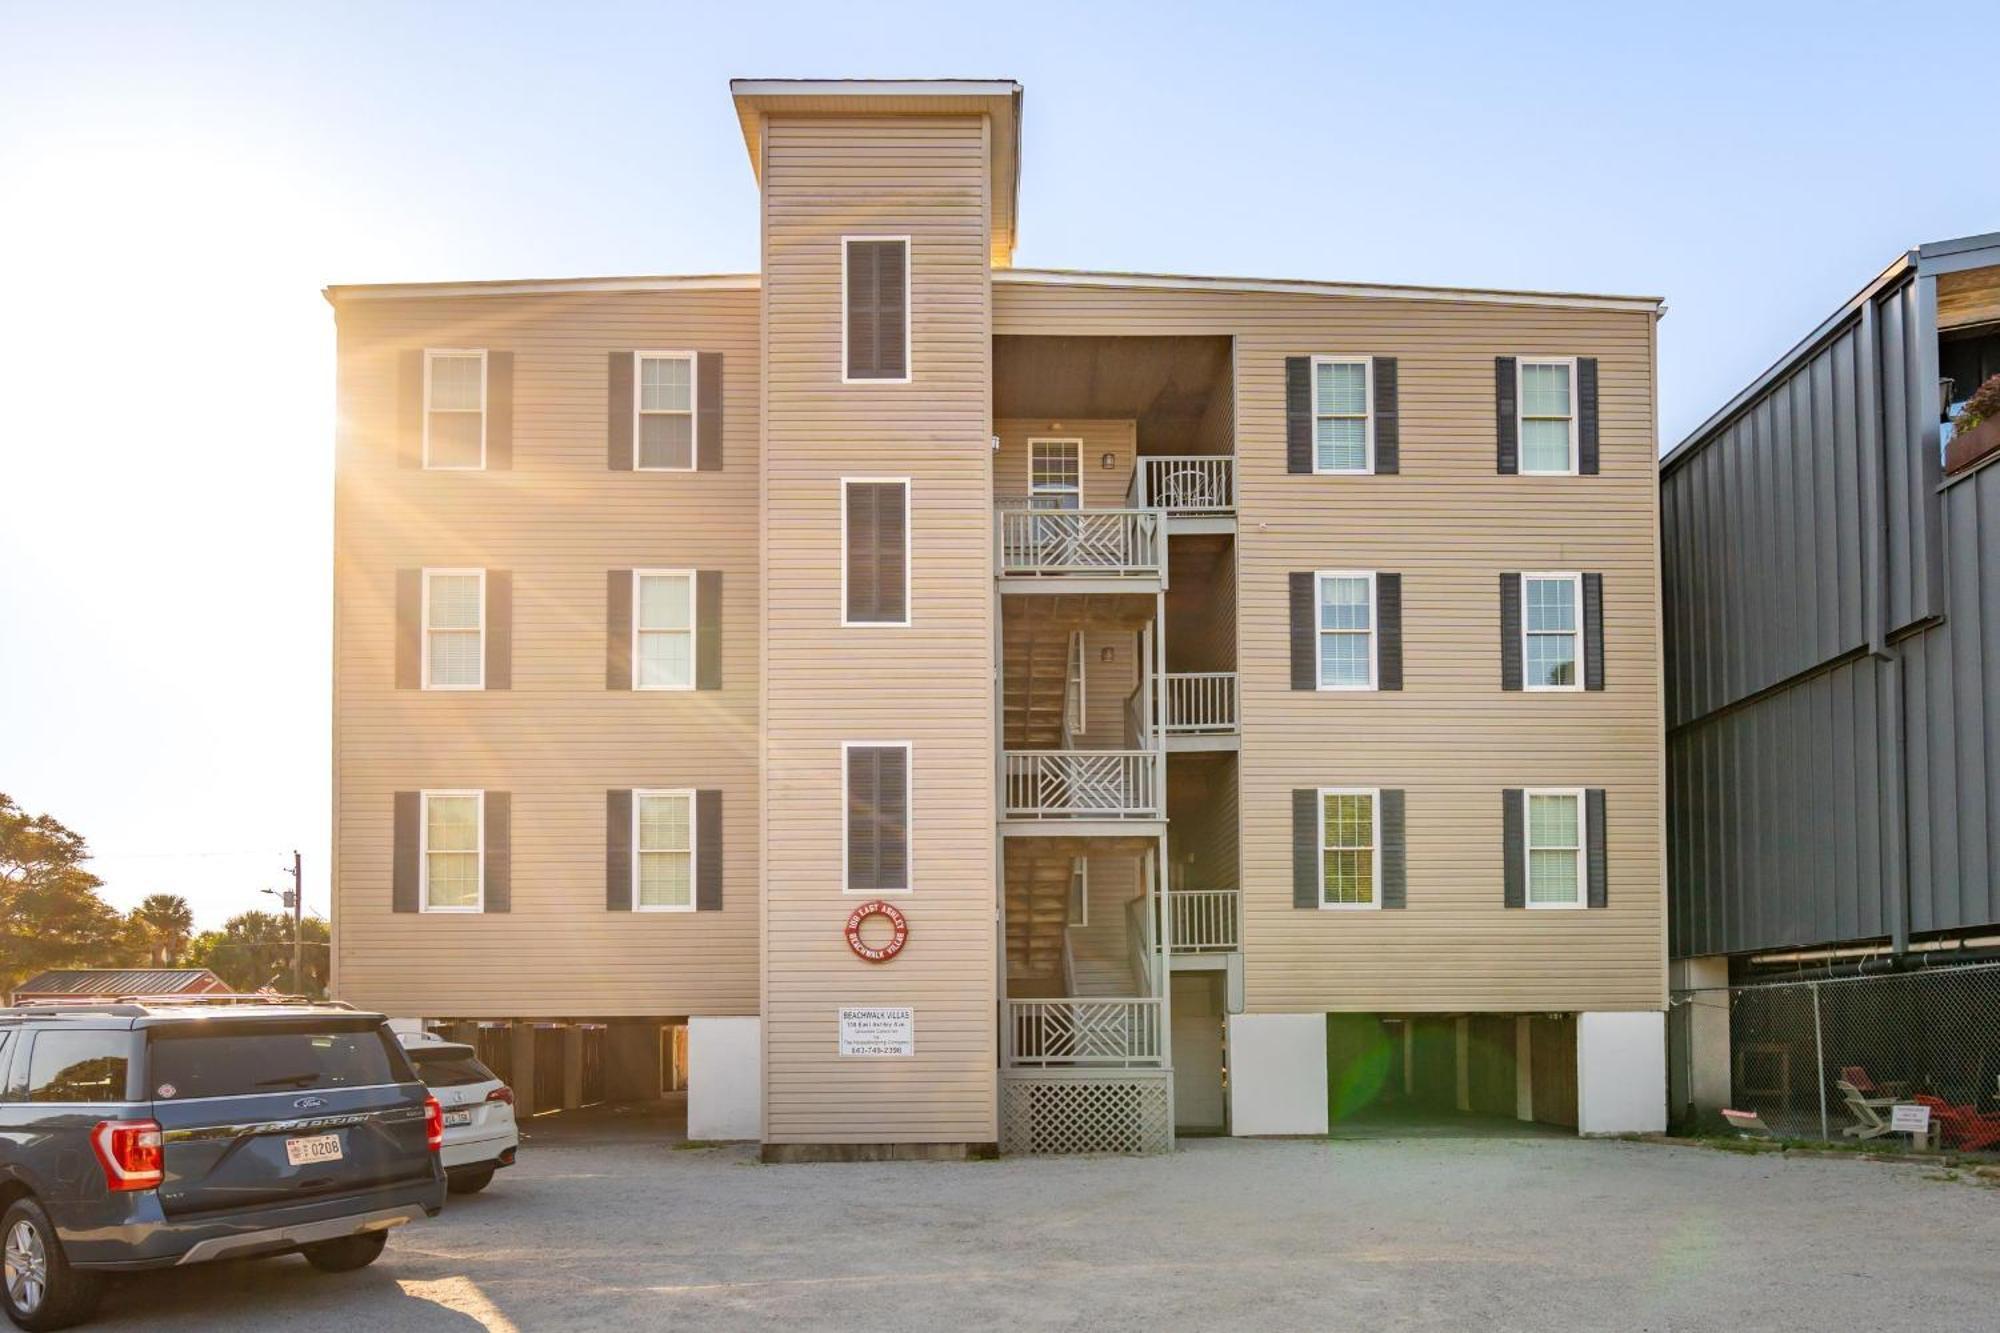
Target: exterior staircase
[(1035, 683), (1037, 918)]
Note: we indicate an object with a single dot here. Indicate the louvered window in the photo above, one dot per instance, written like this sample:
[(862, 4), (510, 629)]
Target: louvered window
[(876, 283)]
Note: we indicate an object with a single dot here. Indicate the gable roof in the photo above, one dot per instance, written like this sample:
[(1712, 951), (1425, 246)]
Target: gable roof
[(121, 981)]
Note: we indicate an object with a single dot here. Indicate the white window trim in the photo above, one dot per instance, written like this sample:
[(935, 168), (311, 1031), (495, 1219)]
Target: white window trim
[(1575, 580), (909, 362), (909, 818), (1521, 467), (1034, 440), (424, 852), (425, 620), (1374, 795), (1374, 630), (639, 795), (1079, 647), (1080, 871), (694, 629), (909, 609), (1582, 849), (1367, 364), (430, 354), (639, 360)]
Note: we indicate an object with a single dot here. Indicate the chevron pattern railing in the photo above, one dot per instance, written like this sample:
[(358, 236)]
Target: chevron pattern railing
[(1116, 542), (1115, 1034), (1082, 784)]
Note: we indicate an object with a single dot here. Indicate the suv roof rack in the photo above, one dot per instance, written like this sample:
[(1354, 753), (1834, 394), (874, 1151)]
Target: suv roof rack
[(138, 1006)]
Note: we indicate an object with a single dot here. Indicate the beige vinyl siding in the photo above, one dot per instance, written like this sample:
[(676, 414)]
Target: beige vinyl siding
[(930, 684), (557, 740), (1451, 737), (1103, 488)]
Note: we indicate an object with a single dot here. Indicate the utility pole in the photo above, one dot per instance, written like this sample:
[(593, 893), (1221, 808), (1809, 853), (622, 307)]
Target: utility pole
[(298, 925)]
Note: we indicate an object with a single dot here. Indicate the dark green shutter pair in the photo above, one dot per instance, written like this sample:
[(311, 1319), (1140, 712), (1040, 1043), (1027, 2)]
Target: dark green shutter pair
[(877, 310), (878, 818), (499, 410), (618, 886), (1299, 415), (707, 629), (621, 401), (406, 868), (877, 576), (499, 665), (1507, 414), (1303, 595), (1392, 877), (1514, 844), (1512, 669)]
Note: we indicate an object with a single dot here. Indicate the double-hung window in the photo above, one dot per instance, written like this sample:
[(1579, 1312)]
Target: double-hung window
[(1552, 631), (1055, 474), (1548, 416), (454, 410), (1343, 430), (665, 408), (1346, 603), (454, 629), (453, 859), (1555, 848), (1349, 847), (663, 834), (663, 629)]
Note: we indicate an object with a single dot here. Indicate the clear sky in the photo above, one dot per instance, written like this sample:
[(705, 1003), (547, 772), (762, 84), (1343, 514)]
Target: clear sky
[(177, 182)]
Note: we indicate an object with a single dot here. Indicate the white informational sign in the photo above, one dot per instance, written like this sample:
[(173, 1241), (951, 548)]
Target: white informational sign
[(1910, 1118), (878, 1032)]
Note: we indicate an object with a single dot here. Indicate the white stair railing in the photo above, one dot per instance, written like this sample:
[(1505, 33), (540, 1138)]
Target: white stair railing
[(1204, 920), (1113, 542), (1082, 784), (1186, 483), (1201, 703), (1105, 1034)]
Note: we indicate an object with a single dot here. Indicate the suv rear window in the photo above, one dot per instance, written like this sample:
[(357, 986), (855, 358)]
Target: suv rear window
[(80, 1066), (245, 1059), (451, 1069)]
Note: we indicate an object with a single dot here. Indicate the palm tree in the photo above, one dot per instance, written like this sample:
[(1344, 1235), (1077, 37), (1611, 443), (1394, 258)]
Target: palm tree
[(165, 923)]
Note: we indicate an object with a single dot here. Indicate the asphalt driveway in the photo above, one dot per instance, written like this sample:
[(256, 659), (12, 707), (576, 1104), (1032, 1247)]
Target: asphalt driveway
[(607, 1225)]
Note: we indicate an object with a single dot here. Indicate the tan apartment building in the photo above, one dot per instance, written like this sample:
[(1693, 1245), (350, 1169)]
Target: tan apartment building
[(910, 704)]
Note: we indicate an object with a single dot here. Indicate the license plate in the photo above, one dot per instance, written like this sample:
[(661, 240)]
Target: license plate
[(458, 1117), (313, 1148)]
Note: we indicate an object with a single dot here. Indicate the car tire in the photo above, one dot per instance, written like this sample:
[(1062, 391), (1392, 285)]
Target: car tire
[(469, 1182), (57, 1294), (346, 1254)]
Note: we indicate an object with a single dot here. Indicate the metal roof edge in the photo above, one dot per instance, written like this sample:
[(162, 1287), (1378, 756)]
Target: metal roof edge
[(697, 282), (1310, 287)]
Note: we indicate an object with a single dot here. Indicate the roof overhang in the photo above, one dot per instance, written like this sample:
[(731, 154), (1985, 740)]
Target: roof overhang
[(999, 99)]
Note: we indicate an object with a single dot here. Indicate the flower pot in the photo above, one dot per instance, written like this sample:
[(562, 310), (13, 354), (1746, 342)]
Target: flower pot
[(1981, 442)]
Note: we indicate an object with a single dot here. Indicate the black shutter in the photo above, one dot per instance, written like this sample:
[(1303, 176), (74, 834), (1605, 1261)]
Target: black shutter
[(410, 409), (1586, 415), (708, 411), (892, 817), (889, 309), (499, 411), (1395, 871), (1510, 631), (1506, 418), (618, 849), (499, 629), (1298, 415), (499, 818), (409, 629), (708, 851), (861, 331), (618, 413), (892, 531), (1593, 631), (405, 873), (1305, 847), (863, 776), (618, 630), (1305, 633), (1388, 425), (1593, 801), (708, 629), (1513, 847), (1389, 631)]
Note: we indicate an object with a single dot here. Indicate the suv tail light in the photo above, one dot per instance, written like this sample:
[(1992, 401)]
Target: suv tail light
[(433, 1124), (501, 1094), (129, 1151)]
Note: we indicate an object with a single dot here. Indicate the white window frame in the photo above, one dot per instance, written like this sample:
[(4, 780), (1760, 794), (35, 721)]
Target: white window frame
[(1074, 440), (1079, 874), (1521, 467), (1575, 580), (430, 355), (1582, 848), (1374, 630), (1367, 364), (909, 818), (425, 620), (909, 608), (909, 360), (639, 413), (694, 628), (1374, 795), (424, 852), (639, 795)]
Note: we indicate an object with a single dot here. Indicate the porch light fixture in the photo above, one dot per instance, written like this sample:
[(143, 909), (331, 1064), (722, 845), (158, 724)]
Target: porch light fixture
[(1104, 654), (1108, 460)]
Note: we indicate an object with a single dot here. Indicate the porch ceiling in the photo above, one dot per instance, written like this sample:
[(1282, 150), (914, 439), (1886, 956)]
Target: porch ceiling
[(1063, 612), (1163, 383)]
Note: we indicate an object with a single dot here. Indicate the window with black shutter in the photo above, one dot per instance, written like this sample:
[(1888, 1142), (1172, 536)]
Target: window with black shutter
[(877, 293), (877, 570), (878, 818)]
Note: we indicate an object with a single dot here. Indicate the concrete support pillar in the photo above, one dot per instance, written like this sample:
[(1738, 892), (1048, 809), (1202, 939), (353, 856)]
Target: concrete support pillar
[(1277, 1074), (1621, 1073), (1700, 1076), (725, 1078), (1462, 1039), (521, 1040), (1524, 1067), (572, 1068)]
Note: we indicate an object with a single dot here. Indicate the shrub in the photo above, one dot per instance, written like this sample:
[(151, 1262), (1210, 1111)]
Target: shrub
[(1984, 405)]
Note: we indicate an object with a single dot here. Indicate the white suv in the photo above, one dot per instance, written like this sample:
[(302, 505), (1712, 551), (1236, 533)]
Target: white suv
[(479, 1132)]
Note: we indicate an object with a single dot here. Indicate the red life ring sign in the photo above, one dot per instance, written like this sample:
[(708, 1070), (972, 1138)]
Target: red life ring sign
[(899, 931)]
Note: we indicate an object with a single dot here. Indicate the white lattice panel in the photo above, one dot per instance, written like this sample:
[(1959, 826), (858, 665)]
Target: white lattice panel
[(1121, 1113)]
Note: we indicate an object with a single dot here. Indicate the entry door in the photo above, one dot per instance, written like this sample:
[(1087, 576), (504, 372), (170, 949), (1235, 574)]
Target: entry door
[(1197, 1042)]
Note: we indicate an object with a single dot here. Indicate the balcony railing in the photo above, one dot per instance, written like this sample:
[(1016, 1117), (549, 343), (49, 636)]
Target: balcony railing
[(1105, 1034), (1104, 542), (1186, 484), (1201, 703), (1203, 920), (1083, 784)]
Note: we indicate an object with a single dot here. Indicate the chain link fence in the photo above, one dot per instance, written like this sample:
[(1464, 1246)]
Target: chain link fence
[(1828, 1059)]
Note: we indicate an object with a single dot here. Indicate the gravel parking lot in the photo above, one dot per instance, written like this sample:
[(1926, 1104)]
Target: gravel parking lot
[(604, 1225)]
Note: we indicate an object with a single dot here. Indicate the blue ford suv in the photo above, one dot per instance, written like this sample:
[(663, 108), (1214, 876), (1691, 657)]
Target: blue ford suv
[(142, 1134)]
